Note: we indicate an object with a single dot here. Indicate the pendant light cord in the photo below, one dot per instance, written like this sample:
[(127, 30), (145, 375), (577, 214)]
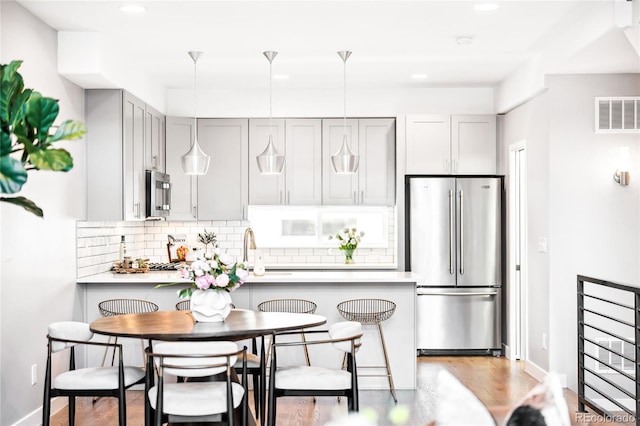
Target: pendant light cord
[(344, 127), (195, 99), (270, 95)]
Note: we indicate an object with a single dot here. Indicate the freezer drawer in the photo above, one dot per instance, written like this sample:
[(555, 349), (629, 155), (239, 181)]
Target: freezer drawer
[(458, 318)]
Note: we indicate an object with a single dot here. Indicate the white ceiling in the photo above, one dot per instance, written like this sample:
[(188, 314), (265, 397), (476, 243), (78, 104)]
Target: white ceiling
[(390, 40)]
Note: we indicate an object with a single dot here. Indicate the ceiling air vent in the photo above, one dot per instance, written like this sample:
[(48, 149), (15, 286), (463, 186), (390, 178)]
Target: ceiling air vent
[(618, 114)]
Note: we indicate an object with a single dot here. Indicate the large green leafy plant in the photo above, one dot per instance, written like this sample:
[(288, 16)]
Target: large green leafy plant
[(28, 135)]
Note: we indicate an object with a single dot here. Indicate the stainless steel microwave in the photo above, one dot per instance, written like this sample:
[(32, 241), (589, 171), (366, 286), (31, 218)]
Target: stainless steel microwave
[(158, 194)]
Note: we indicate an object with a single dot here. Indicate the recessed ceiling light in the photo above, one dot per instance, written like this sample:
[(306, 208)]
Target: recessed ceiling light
[(486, 7), (281, 76), (419, 76), (464, 40), (132, 8)]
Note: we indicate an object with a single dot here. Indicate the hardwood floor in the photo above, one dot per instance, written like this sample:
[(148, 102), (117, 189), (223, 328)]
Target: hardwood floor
[(498, 383)]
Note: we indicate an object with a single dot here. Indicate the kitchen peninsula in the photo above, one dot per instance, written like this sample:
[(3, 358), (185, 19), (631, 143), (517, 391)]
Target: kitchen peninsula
[(325, 288)]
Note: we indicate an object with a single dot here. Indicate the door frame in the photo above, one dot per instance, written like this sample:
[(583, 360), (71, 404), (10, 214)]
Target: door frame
[(517, 347)]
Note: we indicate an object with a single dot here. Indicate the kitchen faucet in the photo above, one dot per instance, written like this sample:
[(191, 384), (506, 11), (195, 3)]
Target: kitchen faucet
[(246, 245)]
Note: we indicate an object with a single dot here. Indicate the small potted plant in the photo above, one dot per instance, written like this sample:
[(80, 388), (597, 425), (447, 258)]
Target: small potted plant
[(207, 238), (348, 241)]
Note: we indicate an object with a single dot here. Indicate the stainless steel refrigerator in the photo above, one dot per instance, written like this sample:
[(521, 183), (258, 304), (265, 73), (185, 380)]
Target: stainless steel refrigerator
[(454, 242)]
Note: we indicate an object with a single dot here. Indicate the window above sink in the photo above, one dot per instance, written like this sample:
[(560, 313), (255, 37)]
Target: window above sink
[(310, 226)]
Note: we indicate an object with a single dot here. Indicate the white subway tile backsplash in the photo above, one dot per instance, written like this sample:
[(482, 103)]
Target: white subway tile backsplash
[(98, 244)]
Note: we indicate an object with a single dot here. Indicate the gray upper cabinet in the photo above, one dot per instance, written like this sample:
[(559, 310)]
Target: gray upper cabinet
[(222, 192), (154, 145), (374, 183), (458, 144), (115, 155), (184, 188), (300, 183), (473, 144)]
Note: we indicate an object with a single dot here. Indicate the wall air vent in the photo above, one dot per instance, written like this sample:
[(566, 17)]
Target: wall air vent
[(618, 114)]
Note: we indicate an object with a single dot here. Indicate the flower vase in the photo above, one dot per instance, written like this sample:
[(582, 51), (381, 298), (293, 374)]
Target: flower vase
[(210, 305), (348, 256)]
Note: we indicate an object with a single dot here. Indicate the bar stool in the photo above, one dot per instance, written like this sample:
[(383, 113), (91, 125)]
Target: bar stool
[(113, 307), (295, 306), (371, 311)]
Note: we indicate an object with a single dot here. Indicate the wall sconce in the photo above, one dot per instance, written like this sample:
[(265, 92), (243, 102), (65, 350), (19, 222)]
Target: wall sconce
[(622, 174)]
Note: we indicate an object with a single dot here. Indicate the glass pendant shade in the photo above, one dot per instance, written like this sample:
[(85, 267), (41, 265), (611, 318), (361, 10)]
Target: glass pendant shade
[(195, 162), (345, 161), (270, 162)]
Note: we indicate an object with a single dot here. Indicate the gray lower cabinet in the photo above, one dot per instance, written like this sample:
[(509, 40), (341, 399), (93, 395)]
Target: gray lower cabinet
[(374, 182), (300, 141), (221, 194), (115, 122)]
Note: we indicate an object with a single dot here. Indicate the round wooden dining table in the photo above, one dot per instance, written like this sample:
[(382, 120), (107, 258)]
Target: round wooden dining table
[(181, 326)]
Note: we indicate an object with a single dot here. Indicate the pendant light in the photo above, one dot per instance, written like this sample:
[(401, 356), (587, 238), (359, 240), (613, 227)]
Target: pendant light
[(345, 161), (270, 162), (195, 162)]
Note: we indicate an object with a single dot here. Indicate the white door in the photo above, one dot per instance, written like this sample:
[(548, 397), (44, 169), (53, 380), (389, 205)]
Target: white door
[(339, 189), (428, 144), (179, 137), (473, 144), (265, 189), (303, 164), (377, 169), (517, 253)]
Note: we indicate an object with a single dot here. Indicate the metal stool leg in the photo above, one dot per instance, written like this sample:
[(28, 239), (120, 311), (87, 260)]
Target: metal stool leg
[(386, 361)]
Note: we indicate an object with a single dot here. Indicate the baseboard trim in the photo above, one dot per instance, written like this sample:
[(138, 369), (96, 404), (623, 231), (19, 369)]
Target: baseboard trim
[(534, 371), (35, 417)]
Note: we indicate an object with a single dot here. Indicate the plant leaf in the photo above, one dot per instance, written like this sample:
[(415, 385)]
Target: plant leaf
[(5, 143), (27, 204), (16, 112), (12, 175), (11, 83), (41, 113), (68, 130), (52, 159)]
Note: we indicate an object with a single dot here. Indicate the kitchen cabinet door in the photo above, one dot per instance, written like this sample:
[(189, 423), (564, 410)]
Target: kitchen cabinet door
[(115, 155), (303, 164), (473, 144), (428, 144), (179, 136), (134, 177), (154, 144), (338, 189), (222, 192), (377, 162), (265, 189)]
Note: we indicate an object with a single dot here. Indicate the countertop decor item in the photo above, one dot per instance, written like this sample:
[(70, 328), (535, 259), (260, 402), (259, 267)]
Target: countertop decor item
[(195, 162), (27, 136), (207, 238), (212, 281), (348, 241)]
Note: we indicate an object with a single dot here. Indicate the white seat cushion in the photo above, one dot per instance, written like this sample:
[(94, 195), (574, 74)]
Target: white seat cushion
[(253, 361), (345, 329), (96, 378), (72, 330), (304, 377), (196, 398)]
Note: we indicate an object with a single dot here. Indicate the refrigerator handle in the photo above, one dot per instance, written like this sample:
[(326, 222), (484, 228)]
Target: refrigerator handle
[(451, 233), (461, 233)]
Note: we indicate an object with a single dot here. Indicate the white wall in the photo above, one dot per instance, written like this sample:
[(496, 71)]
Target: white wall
[(530, 122), (590, 222), (329, 103), (594, 222), (38, 256)]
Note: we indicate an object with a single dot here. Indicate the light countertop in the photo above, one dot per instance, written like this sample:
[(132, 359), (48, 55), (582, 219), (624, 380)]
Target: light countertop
[(269, 277)]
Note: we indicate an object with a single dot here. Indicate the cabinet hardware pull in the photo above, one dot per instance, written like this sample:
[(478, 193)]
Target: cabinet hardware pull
[(136, 207), (451, 233), (362, 197), (355, 197), (288, 197), (154, 162), (461, 233), (280, 198), (195, 212), (456, 294)]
